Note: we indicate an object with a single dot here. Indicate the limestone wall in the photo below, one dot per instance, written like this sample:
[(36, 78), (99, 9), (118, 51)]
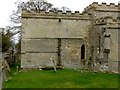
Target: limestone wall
[(37, 52), (71, 53), (52, 28), (47, 35), (99, 14), (39, 45), (110, 29), (113, 56), (102, 10), (36, 60)]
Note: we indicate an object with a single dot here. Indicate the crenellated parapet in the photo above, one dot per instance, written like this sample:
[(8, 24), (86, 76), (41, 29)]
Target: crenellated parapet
[(109, 21), (54, 15), (102, 7)]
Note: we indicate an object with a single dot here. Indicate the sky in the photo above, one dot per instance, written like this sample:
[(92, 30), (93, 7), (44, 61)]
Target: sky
[(7, 6)]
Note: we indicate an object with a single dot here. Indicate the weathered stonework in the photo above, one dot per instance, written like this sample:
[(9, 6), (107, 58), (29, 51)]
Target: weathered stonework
[(71, 52), (73, 40), (40, 45)]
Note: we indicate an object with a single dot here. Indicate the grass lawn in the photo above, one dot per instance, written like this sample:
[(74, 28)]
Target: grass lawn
[(62, 79)]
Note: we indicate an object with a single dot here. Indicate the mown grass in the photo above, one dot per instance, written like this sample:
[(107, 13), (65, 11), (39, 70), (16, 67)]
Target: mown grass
[(62, 79)]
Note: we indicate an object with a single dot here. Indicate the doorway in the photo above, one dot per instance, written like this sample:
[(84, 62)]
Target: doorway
[(83, 52)]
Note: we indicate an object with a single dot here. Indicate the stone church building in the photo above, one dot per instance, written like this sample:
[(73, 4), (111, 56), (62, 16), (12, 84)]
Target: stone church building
[(72, 39)]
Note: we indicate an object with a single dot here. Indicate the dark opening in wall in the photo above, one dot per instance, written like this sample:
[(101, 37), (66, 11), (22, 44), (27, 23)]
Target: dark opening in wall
[(83, 51), (59, 20)]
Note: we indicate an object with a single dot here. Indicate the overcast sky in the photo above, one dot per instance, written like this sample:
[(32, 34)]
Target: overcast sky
[(7, 6)]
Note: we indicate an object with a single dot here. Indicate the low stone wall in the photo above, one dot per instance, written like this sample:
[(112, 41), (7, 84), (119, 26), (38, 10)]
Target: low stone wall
[(2, 75)]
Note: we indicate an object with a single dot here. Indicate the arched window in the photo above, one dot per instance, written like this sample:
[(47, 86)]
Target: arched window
[(83, 51)]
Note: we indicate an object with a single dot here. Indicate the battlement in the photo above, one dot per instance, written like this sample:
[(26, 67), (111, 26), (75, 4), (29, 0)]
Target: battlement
[(102, 7), (51, 14)]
